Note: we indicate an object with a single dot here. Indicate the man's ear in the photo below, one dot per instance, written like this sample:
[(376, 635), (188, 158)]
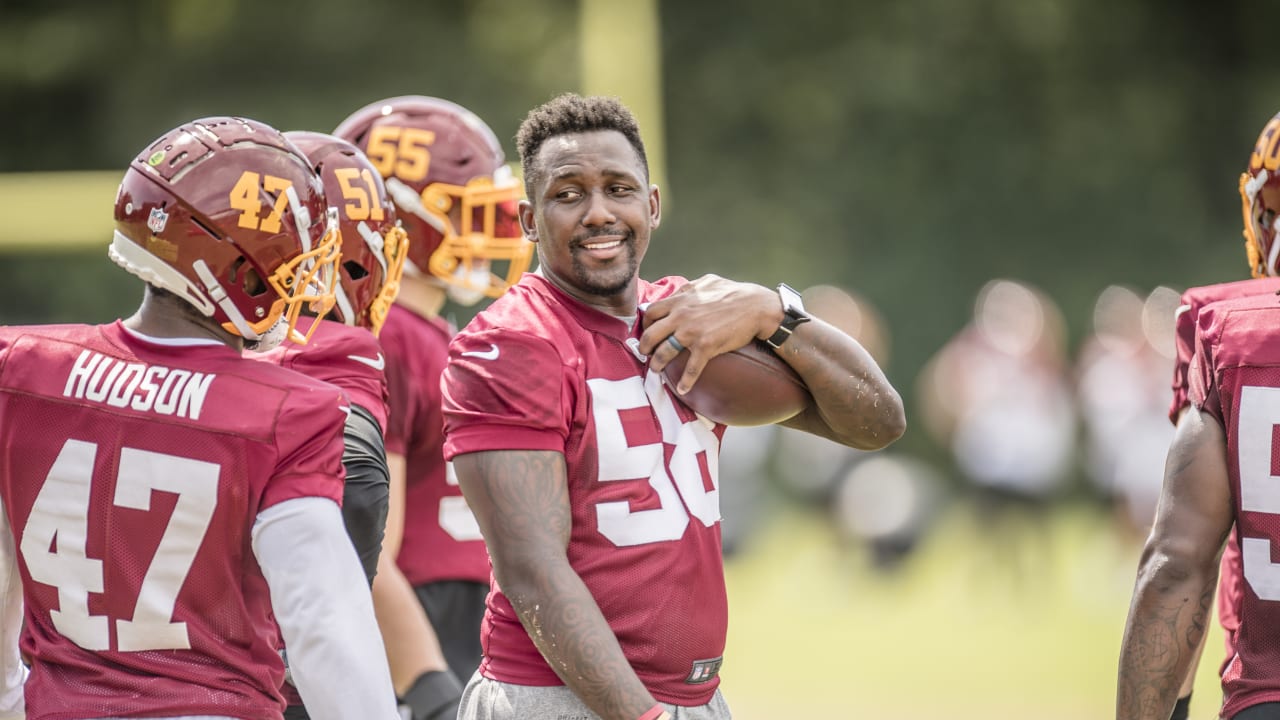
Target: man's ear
[(527, 224), (655, 207)]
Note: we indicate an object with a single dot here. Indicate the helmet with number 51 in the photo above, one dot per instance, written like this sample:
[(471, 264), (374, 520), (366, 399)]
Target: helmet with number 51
[(373, 244), (226, 213), (447, 174)]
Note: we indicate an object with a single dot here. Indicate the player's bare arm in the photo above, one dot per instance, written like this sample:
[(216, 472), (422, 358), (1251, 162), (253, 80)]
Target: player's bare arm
[(521, 501), (855, 404), (1177, 573)]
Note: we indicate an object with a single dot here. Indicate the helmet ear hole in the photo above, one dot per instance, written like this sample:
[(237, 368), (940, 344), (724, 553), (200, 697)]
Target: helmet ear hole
[(249, 281), (355, 270)]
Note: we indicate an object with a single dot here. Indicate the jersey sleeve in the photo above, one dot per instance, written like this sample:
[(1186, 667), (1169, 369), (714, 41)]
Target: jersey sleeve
[(324, 611), (504, 390), (1185, 346), (13, 672), (1202, 386), (309, 443), (365, 492)]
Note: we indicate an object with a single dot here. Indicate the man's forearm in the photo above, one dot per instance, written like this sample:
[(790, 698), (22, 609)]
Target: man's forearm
[(565, 623), (1166, 623)]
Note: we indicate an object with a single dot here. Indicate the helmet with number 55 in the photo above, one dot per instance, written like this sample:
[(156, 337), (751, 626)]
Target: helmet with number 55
[(226, 213), (373, 243), (446, 172)]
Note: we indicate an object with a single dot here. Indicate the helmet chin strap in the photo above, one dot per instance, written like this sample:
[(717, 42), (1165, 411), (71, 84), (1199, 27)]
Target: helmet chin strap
[(375, 243), (220, 297), (134, 258), (344, 305), (406, 199), (1275, 247)]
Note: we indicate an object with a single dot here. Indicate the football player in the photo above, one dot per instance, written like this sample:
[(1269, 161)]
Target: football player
[(446, 172), (344, 351), (594, 485), (169, 501), (1260, 202), (1203, 308)]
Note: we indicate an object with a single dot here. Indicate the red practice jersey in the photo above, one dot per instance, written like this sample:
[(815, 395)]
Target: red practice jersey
[(1235, 376), (441, 539), (538, 370), (1185, 326), (343, 356), (131, 473), (1229, 581)]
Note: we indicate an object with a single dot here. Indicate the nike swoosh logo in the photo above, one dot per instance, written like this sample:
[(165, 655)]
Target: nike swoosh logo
[(490, 354), (378, 363)]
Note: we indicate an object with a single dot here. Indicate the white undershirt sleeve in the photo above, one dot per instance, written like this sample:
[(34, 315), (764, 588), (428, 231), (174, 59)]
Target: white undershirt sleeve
[(325, 611), (13, 673)]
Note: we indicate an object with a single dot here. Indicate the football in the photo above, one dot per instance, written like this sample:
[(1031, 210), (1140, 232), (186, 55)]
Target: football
[(745, 387)]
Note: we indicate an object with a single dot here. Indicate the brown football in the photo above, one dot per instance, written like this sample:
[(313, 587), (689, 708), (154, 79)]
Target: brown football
[(748, 386)]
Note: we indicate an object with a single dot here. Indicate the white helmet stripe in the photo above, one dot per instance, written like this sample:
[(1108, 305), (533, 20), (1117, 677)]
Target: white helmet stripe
[(301, 218)]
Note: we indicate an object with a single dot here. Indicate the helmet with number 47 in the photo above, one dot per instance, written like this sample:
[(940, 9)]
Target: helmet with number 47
[(1260, 195), (373, 243), (226, 213), (446, 172)]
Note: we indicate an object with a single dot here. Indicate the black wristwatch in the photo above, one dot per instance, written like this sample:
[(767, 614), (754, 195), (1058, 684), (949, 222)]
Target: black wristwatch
[(793, 315)]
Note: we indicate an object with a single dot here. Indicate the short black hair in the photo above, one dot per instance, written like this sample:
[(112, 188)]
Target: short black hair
[(572, 113)]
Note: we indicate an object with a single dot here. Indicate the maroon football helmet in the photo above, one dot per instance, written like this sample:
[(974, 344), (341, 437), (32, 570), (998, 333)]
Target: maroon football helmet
[(457, 198), (373, 243), (226, 213), (1260, 194)]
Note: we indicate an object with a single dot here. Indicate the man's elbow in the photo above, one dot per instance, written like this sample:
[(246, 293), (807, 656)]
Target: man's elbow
[(886, 423), (1167, 565)]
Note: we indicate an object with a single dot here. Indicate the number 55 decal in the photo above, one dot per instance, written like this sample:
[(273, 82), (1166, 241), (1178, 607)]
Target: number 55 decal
[(60, 518), (401, 152), (681, 492)]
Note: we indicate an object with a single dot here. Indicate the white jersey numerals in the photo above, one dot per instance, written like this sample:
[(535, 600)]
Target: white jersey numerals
[(54, 540), (456, 517), (679, 486), (1259, 487)]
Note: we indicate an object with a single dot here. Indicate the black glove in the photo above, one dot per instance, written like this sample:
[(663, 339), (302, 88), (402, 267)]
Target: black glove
[(434, 696)]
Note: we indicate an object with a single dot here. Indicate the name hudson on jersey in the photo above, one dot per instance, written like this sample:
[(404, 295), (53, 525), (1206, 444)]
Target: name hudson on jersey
[(155, 388)]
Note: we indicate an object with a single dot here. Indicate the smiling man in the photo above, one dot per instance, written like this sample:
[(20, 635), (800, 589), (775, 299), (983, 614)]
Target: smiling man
[(595, 486)]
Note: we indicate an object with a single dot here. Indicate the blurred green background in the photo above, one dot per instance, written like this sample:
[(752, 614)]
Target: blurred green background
[(908, 150)]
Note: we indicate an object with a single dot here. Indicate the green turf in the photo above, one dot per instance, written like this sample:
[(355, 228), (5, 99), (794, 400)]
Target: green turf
[(813, 633)]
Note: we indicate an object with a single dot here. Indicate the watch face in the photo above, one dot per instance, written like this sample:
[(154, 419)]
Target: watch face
[(791, 300)]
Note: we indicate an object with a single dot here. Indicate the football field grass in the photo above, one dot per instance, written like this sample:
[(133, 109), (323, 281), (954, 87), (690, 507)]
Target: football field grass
[(814, 633)]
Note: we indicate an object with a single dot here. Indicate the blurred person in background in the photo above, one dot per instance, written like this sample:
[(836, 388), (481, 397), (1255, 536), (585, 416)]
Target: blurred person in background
[(997, 396), (887, 503), (344, 350), (455, 196), (1121, 388), (807, 467), (594, 485), (885, 508), (1260, 201), (167, 501)]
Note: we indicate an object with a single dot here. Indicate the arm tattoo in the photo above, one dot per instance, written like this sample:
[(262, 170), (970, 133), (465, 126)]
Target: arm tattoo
[(533, 518), (1152, 661)]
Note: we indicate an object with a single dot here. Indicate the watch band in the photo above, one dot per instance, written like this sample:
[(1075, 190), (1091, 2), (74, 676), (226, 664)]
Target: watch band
[(793, 315)]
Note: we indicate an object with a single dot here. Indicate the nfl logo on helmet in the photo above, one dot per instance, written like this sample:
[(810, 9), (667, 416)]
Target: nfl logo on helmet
[(158, 219)]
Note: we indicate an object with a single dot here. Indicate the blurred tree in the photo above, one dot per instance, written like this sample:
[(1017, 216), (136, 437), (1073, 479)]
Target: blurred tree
[(909, 150)]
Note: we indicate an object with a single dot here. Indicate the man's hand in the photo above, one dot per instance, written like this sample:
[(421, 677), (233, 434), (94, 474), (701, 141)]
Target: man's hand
[(709, 316)]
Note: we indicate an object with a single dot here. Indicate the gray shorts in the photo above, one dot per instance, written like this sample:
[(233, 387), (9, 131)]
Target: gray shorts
[(486, 699)]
